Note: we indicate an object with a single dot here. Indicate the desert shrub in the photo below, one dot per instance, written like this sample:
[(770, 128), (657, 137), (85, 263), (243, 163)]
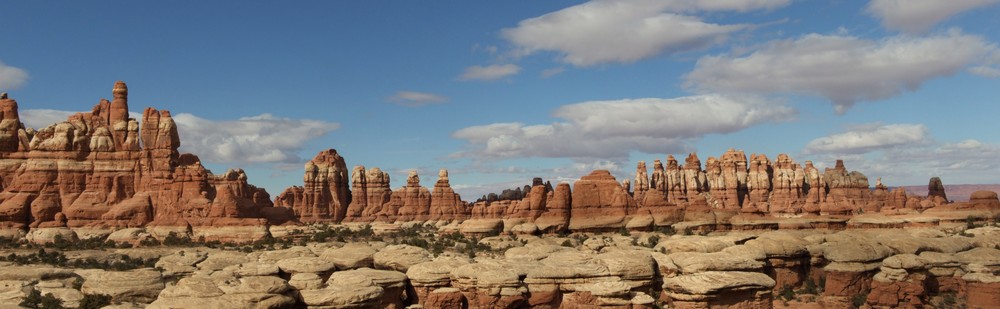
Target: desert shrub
[(565, 232), (652, 241), (810, 287), (667, 230), (36, 300), (858, 300), (948, 300), (787, 293), (56, 258), (95, 301), (173, 240), (150, 242), (416, 242)]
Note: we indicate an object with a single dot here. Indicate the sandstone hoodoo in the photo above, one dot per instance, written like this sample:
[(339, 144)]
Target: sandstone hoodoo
[(737, 232), (326, 194), (735, 191), (100, 170), (599, 202)]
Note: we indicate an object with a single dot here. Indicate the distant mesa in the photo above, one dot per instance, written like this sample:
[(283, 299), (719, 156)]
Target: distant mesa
[(101, 171)]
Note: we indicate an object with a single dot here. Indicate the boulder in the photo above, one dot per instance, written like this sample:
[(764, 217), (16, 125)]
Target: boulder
[(140, 285), (715, 288), (314, 265), (393, 284), (400, 257), (350, 256), (339, 296)]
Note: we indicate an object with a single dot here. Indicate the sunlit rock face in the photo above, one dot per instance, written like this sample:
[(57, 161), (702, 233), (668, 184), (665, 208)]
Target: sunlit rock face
[(104, 170)]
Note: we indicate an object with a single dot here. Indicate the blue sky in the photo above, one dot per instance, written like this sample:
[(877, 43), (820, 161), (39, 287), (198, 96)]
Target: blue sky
[(500, 92)]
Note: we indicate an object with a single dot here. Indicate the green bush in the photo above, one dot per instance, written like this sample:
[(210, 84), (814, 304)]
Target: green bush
[(95, 301), (36, 300), (858, 300), (174, 241), (56, 258), (667, 230), (624, 232), (810, 287), (565, 232), (150, 242), (652, 241), (948, 300), (787, 293)]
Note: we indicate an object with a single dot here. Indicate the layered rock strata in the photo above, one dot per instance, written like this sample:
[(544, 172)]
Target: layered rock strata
[(732, 192), (101, 170), (325, 195), (890, 268), (328, 197)]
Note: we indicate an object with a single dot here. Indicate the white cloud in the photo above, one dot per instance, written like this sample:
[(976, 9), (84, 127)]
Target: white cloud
[(416, 99), (40, 118), (11, 77), (844, 69), (552, 72), (866, 139), (967, 156), (516, 177), (612, 129), (917, 16), (905, 154), (490, 72), (726, 5), (985, 71), (599, 31), (968, 161), (258, 139)]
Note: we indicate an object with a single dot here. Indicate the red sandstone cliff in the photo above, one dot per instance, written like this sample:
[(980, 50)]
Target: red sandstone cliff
[(327, 196), (103, 170), (730, 188)]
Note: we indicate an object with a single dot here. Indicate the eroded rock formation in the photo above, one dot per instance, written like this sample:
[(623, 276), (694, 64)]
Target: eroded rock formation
[(328, 197), (101, 170), (326, 193)]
